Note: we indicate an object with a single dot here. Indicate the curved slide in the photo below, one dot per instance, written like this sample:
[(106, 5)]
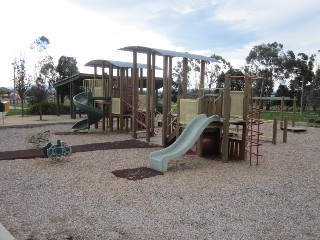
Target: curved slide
[(158, 160), (83, 102)]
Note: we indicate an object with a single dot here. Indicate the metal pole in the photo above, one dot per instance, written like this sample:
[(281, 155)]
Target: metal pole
[(14, 84), (301, 97)]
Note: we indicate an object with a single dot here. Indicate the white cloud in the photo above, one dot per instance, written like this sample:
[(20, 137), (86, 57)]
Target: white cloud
[(95, 29)]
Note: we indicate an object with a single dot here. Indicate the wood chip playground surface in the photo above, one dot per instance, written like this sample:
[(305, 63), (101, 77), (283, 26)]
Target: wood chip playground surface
[(80, 197)]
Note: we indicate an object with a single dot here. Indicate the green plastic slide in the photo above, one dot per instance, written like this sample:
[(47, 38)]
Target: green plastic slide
[(83, 102), (158, 160)]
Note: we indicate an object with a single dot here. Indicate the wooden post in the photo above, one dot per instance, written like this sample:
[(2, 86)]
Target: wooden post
[(110, 88), (165, 102), (202, 75), (58, 101), (199, 146), (95, 72), (226, 119), (149, 78), (282, 112), (169, 88), (185, 78), (141, 81), (152, 91), (72, 107), (246, 102), (177, 130), (134, 95), (285, 129), (200, 106), (221, 103), (294, 111), (122, 96), (103, 79), (275, 133)]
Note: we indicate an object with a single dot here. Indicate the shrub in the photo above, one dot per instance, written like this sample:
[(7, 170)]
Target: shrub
[(159, 107), (48, 108)]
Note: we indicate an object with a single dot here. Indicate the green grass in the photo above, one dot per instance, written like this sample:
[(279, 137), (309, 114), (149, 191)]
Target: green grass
[(13, 112), (308, 117), (305, 117)]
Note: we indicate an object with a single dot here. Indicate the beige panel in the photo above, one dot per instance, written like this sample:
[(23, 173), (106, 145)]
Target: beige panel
[(115, 105), (188, 110), (236, 108)]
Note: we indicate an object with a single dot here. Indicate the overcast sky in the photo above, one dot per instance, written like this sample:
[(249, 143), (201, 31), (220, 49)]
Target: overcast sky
[(95, 29)]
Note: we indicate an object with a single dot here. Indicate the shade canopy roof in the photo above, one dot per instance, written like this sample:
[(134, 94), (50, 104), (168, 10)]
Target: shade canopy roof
[(162, 52), (106, 63)]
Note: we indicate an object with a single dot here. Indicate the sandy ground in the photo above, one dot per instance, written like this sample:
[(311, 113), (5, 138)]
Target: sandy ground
[(198, 198)]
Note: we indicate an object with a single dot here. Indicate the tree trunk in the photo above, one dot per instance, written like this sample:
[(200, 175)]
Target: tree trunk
[(40, 111), (22, 110), (268, 106), (62, 98)]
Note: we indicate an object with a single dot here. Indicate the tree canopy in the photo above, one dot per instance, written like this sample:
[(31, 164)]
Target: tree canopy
[(67, 66)]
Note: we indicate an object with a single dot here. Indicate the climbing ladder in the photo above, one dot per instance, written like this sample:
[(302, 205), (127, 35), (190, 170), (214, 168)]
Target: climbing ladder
[(254, 121)]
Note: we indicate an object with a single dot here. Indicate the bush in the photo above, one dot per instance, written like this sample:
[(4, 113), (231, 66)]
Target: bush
[(159, 107), (48, 108)]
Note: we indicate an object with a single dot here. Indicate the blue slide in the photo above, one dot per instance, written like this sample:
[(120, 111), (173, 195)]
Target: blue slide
[(83, 102), (158, 160)]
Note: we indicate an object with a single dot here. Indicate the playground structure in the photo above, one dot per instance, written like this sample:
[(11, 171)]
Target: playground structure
[(119, 97), (158, 160), (109, 96)]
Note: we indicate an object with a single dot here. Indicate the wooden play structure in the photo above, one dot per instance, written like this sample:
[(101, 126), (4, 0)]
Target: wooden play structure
[(232, 107), (129, 99), (116, 83)]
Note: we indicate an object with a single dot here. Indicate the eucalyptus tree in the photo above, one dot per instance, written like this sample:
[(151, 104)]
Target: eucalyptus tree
[(67, 66), (265, 60), (213, 72), (315, 94), (22, 81), (45, 75), (216, 72), (299, 70)]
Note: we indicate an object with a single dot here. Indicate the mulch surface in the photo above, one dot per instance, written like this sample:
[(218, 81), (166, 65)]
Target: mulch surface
[(38, 152), (136, 173)]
